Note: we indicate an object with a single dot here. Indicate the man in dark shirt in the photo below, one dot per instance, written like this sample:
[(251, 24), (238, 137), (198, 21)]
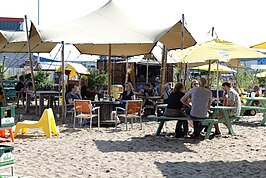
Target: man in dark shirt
[(19, 87), (20, 84)]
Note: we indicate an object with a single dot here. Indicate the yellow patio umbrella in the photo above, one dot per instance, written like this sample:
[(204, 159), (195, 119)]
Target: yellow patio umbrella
[(259, 46), (216, 49), (213, 68), (75, 69)]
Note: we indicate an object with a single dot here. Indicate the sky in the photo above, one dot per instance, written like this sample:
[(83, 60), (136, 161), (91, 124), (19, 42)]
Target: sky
[(238, 21)]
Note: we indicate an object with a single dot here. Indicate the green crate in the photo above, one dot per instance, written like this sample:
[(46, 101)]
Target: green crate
[(7, 115), (6, 156)]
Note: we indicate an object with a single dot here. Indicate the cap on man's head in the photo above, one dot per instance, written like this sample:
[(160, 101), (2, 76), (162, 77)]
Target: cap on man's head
[(202, 81)]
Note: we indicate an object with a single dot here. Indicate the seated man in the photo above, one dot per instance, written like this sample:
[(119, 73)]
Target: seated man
[(232, 99), (20, 87), (201, 100)]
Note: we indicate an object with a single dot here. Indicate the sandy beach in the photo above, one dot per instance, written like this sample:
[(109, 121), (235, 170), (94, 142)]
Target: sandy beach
[(138, 153)]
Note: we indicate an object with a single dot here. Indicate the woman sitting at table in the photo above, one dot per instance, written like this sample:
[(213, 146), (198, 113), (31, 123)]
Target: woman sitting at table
[(128, 94), (166, 93), (30, 91), (72, 94), (174, 107)]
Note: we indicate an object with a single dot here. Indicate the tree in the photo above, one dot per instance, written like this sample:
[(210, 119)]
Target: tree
[(97, 79), (41, 80), (246, 80)]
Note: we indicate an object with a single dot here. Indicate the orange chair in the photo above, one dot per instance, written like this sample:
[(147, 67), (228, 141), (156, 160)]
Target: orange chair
[(3, 133), (84, 109), (133, 110)]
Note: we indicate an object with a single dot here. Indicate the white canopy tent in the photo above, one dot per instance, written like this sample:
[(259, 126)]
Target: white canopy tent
[(114, 30)]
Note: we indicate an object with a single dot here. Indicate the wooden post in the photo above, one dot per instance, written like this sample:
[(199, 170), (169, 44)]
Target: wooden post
[(109, 71), (182, 32), (126, 79), (147, 68), (163, 67), (182, 47), (63, 83), (31, 67), (2, 76)]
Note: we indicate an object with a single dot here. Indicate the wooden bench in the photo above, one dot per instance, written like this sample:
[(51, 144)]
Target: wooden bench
[(207, 122)]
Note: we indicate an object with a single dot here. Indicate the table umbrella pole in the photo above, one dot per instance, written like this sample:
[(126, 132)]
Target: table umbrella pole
[(217, 88), (185, 75), (208, 76)]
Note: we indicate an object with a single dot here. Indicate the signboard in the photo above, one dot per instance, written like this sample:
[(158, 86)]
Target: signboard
[(258, 66)]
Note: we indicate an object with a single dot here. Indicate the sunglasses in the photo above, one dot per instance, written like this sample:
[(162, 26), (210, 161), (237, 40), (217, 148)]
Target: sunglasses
[(195, 83)]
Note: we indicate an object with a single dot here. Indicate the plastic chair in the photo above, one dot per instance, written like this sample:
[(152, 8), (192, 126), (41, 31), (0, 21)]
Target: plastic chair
[(3, 133), (46, 123), (133, 110), (84, 109)]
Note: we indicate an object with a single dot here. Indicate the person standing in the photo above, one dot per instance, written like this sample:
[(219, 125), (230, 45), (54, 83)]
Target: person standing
[(200, 104)]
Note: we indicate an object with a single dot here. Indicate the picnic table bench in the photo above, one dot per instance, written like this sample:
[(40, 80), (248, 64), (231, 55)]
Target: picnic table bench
[(260, 108), (208, 122)]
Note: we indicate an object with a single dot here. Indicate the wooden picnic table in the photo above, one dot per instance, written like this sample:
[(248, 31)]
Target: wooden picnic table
[(154, 98), (261, 107), (210, 122), (42, 94)]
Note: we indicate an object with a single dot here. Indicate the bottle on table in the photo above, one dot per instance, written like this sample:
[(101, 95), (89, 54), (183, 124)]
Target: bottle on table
[(96, 97)]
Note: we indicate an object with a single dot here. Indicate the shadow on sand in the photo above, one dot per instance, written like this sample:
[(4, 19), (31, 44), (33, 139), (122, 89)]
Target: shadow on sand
[(146, 144), (213, 169), (248, 123)]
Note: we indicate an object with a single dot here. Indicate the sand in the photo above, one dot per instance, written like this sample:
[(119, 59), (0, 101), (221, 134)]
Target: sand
[(138, 153)]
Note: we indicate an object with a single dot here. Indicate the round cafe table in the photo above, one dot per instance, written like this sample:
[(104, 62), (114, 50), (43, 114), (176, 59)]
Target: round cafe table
[(106, 108)]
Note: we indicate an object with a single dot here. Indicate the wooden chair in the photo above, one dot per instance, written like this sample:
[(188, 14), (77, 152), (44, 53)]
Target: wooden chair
[(133, 110), (84, 109)]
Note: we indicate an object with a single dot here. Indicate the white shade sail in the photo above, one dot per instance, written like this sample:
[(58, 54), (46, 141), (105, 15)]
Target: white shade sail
[(128, 35)]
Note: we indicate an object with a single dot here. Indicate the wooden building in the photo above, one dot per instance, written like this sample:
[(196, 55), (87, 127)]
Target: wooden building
[(137, 72)]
